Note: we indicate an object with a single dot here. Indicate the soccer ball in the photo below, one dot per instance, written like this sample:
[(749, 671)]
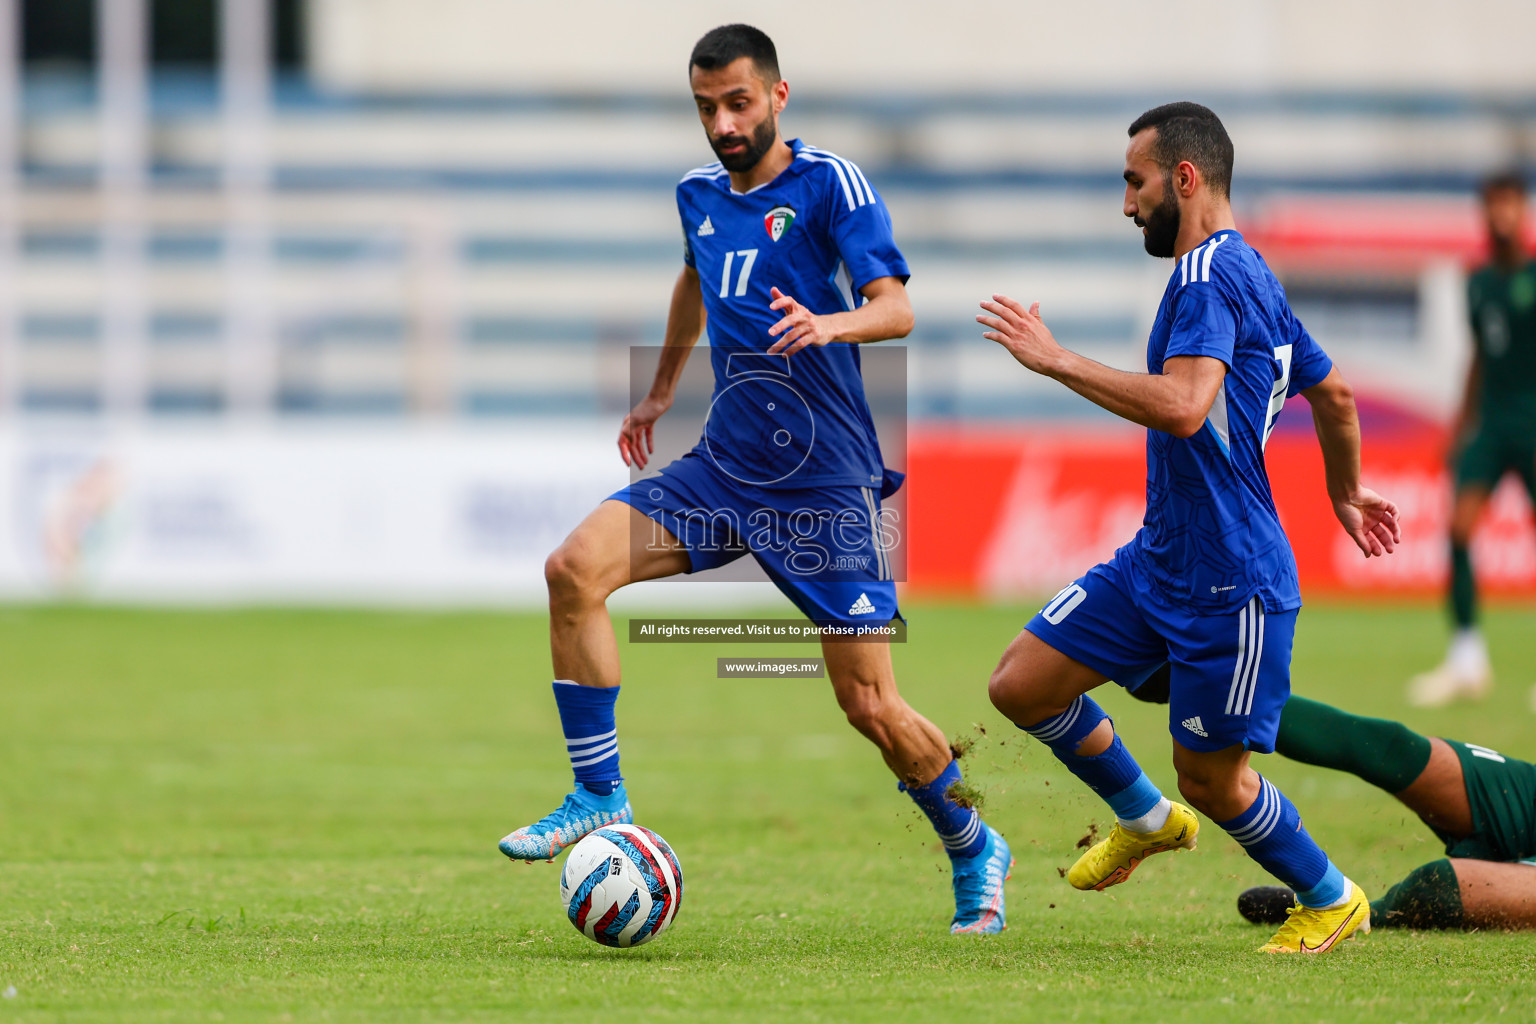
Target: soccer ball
[(621, 885)]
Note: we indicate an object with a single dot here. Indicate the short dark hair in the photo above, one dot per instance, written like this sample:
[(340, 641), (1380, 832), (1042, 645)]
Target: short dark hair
[(729, 43), (1504, 181), (1188, 131)]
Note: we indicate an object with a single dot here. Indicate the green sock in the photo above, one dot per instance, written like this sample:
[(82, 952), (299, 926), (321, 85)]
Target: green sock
[(1463, 587), (1430, 897), (1383, 753)]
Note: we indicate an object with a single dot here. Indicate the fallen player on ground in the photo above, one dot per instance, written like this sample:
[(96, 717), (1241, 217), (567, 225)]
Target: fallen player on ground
[(1480, 803)]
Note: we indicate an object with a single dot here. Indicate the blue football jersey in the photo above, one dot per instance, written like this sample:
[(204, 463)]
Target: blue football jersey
[(817, 232), (1211, 539)]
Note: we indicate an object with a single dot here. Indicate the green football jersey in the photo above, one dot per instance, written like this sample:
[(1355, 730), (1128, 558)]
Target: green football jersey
[(1503, 310)]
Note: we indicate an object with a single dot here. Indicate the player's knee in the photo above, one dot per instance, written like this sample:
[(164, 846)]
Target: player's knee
[(1430, 897), (1465, 513), (1009, 691), (1461, 531), (570, 572), (998, 690), (561, 570), (1212, 794), (1023, 700), (1196, 792), (1202, 795), (1217, 794)]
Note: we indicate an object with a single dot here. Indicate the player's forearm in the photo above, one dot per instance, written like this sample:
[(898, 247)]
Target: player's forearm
[(685, 323), (882, 318), (1337, 423), (1159, 402)]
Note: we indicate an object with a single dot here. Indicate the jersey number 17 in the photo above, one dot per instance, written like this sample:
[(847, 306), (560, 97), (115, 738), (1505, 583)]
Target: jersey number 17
[(748, 257)]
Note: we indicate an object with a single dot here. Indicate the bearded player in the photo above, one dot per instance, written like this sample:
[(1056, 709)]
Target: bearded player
[(1209, 583), (1480, 803), (1495, 428), (789, 257)]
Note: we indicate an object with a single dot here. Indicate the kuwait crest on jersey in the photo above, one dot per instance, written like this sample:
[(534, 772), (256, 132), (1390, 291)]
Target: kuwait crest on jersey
[(778, 221)]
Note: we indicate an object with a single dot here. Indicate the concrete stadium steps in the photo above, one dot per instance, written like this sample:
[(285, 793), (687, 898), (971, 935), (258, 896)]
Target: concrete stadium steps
[(946, 145), (499, 255)]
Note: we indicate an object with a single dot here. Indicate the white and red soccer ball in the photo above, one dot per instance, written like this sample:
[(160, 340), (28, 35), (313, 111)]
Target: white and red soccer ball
[(621, 885)]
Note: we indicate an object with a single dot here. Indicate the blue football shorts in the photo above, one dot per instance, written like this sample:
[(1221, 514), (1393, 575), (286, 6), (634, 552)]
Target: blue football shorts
[(1230, 673), (826, 548)]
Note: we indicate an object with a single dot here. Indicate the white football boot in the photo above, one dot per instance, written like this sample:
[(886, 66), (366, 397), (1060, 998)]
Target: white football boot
[(1464, 675)]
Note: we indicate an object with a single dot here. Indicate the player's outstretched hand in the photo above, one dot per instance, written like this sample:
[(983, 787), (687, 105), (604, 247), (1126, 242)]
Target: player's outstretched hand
[(1021, 332), (637, 443), (799, 326), (1371, 522)]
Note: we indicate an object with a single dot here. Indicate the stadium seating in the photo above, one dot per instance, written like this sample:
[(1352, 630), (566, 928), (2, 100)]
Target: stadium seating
[(482, 256)]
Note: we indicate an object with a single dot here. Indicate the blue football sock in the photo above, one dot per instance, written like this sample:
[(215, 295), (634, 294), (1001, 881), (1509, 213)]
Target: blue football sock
[(1113, 774), (591, 736), (960, 828), (1271, 832)]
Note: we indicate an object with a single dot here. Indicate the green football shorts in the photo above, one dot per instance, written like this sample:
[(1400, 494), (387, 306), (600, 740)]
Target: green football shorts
[(1502, 792), (1495, 450)]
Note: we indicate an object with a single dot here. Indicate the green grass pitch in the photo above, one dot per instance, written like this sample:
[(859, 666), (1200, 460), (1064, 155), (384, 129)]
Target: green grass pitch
[(271, 816)]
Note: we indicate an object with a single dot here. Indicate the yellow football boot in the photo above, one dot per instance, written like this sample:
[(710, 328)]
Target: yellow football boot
[(1111, 860), (1317, 931)]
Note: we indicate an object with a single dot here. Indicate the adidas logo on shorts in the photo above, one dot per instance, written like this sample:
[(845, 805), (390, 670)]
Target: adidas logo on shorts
[(863, 606), (1195, 726)]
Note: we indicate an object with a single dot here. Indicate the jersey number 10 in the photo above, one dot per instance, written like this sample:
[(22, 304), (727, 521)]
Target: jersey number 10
[(748, 257)]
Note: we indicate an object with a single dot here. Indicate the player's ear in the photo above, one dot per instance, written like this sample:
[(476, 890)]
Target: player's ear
[(780, 95), (1186, 178)]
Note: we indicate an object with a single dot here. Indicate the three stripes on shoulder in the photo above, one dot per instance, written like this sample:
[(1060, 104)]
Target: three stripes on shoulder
[(1195, 265)]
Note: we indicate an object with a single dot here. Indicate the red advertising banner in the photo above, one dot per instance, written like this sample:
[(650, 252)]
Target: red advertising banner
[(1024, 513)]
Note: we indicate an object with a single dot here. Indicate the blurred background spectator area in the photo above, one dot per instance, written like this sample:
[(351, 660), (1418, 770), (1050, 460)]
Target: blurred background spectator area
[(299, 216), (462, 205)]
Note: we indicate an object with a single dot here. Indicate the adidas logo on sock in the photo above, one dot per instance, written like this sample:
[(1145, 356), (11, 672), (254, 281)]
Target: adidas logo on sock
[(706, 228), (863, 606), (1195, 726)]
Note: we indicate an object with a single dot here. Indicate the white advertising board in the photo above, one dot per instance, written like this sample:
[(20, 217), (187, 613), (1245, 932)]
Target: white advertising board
[(397, 515)]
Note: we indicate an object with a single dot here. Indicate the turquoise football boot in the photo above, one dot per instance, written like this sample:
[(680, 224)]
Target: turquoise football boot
[(978, 883), (582, 813)]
